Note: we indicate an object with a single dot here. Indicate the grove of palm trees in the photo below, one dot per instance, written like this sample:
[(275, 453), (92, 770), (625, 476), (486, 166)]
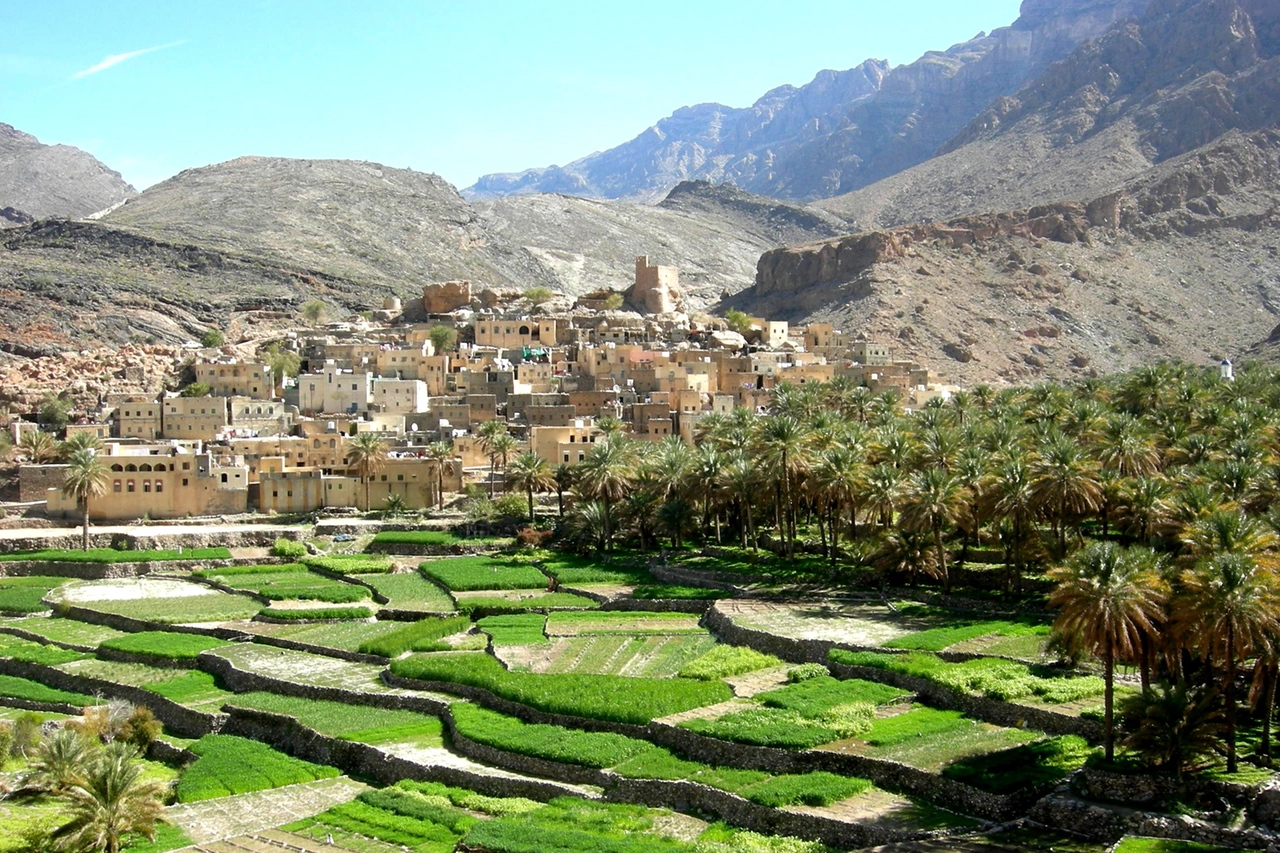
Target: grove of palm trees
[(1137, 512)]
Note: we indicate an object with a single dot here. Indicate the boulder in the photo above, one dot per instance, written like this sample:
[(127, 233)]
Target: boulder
[(445, 296)]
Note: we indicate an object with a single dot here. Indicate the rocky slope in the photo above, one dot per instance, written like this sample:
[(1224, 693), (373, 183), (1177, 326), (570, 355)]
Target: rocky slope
[(1148, 90), (1183, 262), (841, 131), (255, 238), (38, 181)]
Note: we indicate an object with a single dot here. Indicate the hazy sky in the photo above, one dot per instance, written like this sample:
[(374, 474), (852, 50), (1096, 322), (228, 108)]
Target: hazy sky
[(458, 88)]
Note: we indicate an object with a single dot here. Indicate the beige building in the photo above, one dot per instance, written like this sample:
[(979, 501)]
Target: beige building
[(161, 482), (193, 418), (236, 378), (138, 417), (517, 334), (563, 445), (335, 390), (400, 396)]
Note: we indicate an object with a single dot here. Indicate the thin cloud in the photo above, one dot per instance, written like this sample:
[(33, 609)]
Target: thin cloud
[(116, 59)]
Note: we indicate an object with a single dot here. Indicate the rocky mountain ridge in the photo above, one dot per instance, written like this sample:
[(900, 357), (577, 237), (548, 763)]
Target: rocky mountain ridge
[(839, 132), (38, 181)]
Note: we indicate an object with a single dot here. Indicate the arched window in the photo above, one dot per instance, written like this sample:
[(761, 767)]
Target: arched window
[(117, 468), (131, 467)]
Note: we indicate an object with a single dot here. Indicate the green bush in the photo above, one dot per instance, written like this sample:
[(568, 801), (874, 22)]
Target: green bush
[(415, 636), (164, 644), (350, 564), (318, 613), (724, 661), (805, 671), (475, 573), (604, 697), (234, 765), (517, 629), (110, 555), (1010, 770), (290, 548), (552, 743)]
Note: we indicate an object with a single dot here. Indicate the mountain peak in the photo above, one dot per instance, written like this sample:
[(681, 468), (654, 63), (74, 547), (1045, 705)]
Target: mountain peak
[(40, 181)]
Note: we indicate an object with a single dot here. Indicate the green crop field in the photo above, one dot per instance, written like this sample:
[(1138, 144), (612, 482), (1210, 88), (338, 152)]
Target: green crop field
[(605, 697), (525, 603), (164, 645), (291, 581), (12, 687), (675, 591), (350, 564), (931, 739), (24, 594), (725, 661), (361, 723), (652, 655), (317, 613), (553, 743), (516, 629), (937, 639), (233, 765), (410, 591), (348, 636), (417, 537), (475, 573), (30, 651), (574, 570), (421, 636), (194, 689), (180, 610), (622, 622), (71, 631), (110, 555), (1043, 762)]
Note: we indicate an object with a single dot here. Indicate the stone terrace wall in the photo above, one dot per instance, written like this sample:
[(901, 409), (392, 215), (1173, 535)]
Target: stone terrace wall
[(178, 718)]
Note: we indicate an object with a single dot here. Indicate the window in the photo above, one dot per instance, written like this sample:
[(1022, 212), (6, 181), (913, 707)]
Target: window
[(186, 466), (159, 486), (146, 485), (184, 481), (400, 476), (129, 486), (224, 478), (115, 486)]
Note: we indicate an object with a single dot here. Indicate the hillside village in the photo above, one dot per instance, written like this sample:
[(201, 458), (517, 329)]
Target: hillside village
[(246, 435)]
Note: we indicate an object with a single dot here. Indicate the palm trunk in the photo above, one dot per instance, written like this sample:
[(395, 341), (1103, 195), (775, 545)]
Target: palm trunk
[(531, 518), (84, 537), (1108, 694), (942, 559), (1145, 651), (1230, 696), (1268, 704)]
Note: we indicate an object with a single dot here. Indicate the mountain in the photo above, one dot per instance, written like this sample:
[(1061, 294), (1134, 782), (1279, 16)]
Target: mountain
[(252, 239), (839, 132), (1146, 91), (1181, 262), (38, 181)]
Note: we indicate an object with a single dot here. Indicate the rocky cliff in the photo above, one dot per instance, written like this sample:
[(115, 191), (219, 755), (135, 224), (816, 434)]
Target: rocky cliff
[(38, 181), (839, 132), (1150, 89), (1181, 262)]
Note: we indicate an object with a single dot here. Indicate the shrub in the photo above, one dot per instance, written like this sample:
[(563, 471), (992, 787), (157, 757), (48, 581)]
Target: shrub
[(724, 661), (211, 338), (805, 671), (27, 731), (604, 697), (6, 743), (318, 613), (165, 645), (141, 729), (234, 765), (290, 548), (414, 636), (474, 573), (552, 743)]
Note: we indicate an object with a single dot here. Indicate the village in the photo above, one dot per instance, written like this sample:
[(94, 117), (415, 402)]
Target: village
[(248, 436)]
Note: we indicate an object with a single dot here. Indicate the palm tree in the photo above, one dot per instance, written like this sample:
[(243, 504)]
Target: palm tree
[(934, 503), (39, 446), (1065, 482), (1228, 611), (565, 475), (740, 479), (109, 801), (1175, 723), (439, 453), (1228, 531), (86, 478), (781, 442), (1108, 597), (58, 760), (367, 453), (530, 472), (79, 441), (488, 432), (606, 473), (499, 450)]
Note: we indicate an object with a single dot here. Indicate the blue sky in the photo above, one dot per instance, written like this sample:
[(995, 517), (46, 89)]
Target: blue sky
[(457, 88)]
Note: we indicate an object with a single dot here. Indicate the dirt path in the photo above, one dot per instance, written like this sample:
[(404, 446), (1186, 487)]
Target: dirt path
[(242, 814)]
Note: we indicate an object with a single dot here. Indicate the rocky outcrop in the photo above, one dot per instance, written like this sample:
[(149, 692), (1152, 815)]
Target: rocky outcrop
[(446, 296), (39, 181)]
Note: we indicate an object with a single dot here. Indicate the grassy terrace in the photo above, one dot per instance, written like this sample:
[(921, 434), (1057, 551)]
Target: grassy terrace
[(288, 582), (349, 722), (517, 602), (70, 631), (347, 636), (605, 697), (233, 765), (162, 600), (24, 594), (410, 591), (111, 555), (479, 573), (350, 564), (163, 645)]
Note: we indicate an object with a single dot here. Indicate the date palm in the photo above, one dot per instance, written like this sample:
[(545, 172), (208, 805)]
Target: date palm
[(1064, 482), (781, 443), (38, 446), (1108, 597), (367, 453), (109, 801), (487, 433), (933, 503), (530, 473), (85, 479), (741, 480), (440, 452), (1227, 610), (606, 473)]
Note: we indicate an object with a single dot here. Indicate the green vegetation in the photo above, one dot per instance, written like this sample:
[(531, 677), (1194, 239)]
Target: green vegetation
[(474, 573), (809, 789), (315, 613), (289, 548), (13, 687), (1047, 761), (604, 697), (517, 629), (195, 389), (683, 593), (415, 537), (362, 723), (392, 827), (68, 631), (652, 655), (190, 688), (420, 636), (627, 623), (165, 645), (552, 743), (571, 825), (575, 570), (816, 697), (288, 582), (919, 722), (211, 338), (470, 800), (937, 639), (24, 594), (410, 591), (111, 555), (1137, 844), (350, 564), (177, 610), (234, 765), (725, 661), (549, 601), (28, 651), (992, 677)]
